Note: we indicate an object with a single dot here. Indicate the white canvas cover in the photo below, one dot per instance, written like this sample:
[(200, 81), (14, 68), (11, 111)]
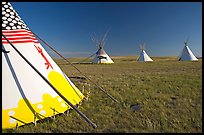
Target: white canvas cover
[(144, 57), (24, 93), (102, 57), (187, 55)]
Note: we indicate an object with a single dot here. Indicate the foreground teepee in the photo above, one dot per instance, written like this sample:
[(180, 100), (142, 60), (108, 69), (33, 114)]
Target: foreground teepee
[(101, 57), (143, 55), (187, 54), (26, 97)]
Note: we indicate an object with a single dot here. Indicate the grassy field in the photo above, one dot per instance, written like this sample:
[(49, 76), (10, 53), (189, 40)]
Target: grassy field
[(168, 91)]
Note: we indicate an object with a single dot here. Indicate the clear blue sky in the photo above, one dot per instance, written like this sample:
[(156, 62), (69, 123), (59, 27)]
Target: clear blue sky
[(163, 26)]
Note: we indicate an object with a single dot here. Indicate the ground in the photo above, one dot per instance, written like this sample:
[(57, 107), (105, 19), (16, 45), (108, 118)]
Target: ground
[(169, 93)]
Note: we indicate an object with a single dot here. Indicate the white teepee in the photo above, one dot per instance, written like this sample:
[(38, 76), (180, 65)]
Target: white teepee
[(101, 56), (143, 55), (187, 54), (26, 97)]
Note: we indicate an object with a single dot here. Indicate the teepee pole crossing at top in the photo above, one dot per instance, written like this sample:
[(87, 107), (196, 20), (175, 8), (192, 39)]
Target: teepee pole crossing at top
[(76, 68), (79, 112)]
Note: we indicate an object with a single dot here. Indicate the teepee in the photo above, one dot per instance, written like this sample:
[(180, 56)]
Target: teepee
[(26, 96), (143, 55), (101, 57), (187, 54)]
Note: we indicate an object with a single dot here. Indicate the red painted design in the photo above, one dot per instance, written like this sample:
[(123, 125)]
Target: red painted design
[(18, 36), (47, 62)]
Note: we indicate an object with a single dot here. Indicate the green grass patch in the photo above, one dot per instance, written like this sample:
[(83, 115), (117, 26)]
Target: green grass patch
[(168, 91)]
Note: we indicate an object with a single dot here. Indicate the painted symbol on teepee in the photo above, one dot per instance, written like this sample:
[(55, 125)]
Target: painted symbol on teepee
[(4, 51), (47, 62), (102, 57)]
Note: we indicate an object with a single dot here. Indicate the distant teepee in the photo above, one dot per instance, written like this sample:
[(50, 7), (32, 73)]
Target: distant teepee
[(101, 56), (143, 55), (187, 54)]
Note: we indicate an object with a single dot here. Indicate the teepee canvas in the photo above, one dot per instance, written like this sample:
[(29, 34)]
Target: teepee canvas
[(101, 57), (25, 95), (187, 54), (143, 55)]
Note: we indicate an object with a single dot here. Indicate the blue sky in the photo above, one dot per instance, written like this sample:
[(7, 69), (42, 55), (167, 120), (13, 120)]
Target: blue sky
[(162, 26)]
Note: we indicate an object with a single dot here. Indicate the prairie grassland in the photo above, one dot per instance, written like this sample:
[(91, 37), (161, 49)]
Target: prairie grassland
[(168, 91)]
